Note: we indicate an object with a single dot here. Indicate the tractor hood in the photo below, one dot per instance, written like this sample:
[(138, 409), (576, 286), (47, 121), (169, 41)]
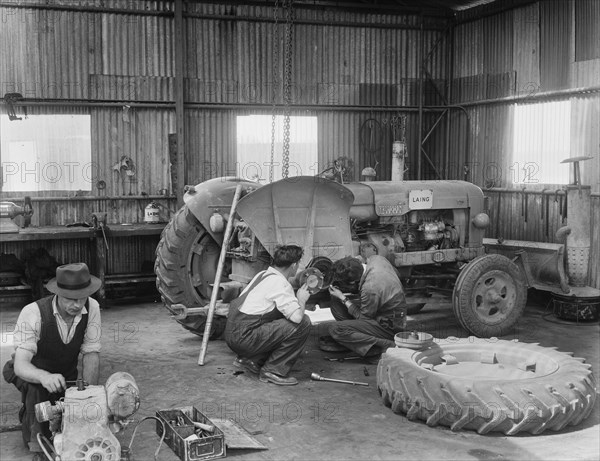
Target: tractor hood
[(395, 198), (310, 212)]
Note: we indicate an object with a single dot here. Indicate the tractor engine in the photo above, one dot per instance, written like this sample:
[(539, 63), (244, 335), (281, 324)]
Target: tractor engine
[(405, 217), (415, 231), (84, 421)]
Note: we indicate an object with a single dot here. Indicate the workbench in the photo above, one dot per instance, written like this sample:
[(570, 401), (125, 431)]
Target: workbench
[(64, 239)]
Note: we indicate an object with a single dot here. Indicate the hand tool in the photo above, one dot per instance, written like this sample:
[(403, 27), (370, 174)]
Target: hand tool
[(318, 377), (204, 427), (341, 359)]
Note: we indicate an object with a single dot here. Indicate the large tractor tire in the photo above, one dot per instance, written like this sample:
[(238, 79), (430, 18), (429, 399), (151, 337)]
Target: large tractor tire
[(487, 385), (489, 296), (185, 268)]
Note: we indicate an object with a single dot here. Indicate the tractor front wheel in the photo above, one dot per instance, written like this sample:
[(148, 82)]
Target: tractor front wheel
[(489, 296)]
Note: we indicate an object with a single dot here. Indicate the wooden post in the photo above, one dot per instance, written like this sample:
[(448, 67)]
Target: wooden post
[(215, 290)]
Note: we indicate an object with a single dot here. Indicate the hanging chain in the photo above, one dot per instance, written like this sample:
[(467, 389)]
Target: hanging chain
[(403, 128), (287, 87), (275, 89)]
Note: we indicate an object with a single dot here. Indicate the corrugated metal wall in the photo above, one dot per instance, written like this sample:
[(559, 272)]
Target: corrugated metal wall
[(341, 58), (555, 44), (542, 47), (120, 53)]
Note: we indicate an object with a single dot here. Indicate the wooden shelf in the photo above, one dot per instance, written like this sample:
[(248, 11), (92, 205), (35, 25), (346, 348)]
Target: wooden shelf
[(98, 251), (62, 232)]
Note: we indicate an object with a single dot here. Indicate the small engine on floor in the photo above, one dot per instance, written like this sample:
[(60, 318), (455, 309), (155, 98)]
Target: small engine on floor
[(83, 422)]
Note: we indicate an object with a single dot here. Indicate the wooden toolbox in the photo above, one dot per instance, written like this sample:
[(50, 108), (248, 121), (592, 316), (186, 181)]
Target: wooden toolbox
[(179, 426)]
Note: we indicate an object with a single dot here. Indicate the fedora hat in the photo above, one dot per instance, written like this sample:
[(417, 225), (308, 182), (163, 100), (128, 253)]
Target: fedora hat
[(74, 281)]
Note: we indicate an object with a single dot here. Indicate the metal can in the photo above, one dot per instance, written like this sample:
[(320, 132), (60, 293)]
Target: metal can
[(151, 213)]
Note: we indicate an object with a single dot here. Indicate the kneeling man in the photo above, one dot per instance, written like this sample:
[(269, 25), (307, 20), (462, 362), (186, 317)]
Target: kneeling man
[(266, 325)]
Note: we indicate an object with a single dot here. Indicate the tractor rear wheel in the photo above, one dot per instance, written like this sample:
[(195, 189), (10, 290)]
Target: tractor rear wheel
[(185, 268), (487, 385), (489, 296)]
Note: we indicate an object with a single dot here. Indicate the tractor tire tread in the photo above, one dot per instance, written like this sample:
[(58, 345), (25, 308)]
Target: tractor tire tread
[(172, 279), (565, 397)]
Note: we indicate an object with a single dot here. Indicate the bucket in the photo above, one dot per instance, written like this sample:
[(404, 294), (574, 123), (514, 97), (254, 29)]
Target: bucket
[(415, 340)]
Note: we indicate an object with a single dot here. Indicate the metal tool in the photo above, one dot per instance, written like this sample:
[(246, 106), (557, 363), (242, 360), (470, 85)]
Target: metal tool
[(318, 377), (341, 359), (204, 427), (99, 223)]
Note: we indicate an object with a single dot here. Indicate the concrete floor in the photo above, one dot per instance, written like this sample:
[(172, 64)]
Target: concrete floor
[(313, 420)]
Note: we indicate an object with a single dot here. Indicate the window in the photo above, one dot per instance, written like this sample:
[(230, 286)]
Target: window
[(542, 137), (254, 147), (46, 153)]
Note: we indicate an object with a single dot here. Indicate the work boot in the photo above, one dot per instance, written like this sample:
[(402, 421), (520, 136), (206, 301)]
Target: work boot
[(247, 364), (328, 344), (268, 377)]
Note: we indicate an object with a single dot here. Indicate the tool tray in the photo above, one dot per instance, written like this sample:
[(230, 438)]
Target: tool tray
[(179, 425)]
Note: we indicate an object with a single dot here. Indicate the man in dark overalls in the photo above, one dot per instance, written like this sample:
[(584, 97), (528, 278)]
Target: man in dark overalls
[(266, 325), (49, 336), (366, 325)]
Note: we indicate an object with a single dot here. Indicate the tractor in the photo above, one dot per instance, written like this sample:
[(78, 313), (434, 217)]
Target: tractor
[(431, 231)]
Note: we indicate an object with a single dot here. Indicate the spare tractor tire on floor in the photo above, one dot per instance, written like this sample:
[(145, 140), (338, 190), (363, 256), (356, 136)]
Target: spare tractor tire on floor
[(487, 385), (185, 267)]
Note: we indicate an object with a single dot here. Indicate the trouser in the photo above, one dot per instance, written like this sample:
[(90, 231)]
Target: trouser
[(364, 336), (31, 394), (270, 340)]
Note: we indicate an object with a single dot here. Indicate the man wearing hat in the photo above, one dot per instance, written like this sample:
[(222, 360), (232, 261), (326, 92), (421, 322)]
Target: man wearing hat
[(49, 336)]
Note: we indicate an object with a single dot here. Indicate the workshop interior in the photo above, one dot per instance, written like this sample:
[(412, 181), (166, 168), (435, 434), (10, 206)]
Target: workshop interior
[(175, 146)]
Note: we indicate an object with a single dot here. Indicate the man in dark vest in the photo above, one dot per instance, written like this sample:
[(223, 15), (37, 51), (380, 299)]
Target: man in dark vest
[(266, 325), (49, 336)]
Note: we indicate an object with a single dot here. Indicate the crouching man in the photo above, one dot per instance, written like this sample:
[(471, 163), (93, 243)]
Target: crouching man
[(368, 324), (266, 325), (49, 336)]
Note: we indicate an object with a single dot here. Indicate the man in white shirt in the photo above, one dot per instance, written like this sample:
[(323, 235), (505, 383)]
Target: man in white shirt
[(266, 325), (49, 336)]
